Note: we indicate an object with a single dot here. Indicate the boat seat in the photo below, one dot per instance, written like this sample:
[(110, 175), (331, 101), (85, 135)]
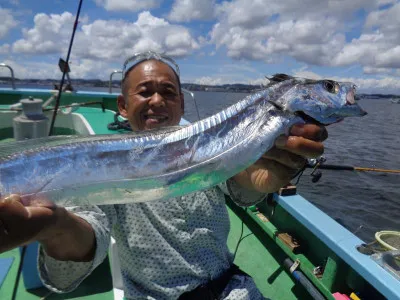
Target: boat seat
[(118, 286)]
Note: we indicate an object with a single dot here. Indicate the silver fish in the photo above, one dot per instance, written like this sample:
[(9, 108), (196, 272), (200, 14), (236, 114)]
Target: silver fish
[(170, 162)]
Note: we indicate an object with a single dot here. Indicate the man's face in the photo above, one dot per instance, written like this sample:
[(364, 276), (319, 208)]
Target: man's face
[(151, 96)]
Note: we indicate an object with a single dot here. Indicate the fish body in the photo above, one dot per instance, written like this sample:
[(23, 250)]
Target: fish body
[(170, 162)]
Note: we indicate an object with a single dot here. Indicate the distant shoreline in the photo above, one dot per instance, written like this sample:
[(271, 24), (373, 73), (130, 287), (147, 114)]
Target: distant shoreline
[(225, 88)]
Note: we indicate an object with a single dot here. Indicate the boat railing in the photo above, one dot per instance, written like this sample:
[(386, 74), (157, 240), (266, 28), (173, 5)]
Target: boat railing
[(110, 82), (191, 94), (3, 65)]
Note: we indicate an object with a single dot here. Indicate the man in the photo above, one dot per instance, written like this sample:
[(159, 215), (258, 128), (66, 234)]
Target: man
[(169, 249)]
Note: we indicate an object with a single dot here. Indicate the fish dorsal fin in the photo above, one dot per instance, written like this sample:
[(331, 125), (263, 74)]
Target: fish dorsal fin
[(14, 147), (279, 78), (11, 148)]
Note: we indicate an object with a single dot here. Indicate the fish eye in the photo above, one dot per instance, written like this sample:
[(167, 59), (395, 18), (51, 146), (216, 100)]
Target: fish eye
[(331, 86)]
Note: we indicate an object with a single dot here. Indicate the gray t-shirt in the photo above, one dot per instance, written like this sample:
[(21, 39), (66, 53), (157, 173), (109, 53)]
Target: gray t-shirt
[(165, 248)]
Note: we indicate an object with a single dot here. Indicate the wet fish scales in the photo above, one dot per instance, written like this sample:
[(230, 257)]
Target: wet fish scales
[(159, 164)]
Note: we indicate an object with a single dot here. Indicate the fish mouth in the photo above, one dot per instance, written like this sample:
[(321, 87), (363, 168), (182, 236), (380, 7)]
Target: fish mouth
[(332, 119), (350, 97), (307, 118)]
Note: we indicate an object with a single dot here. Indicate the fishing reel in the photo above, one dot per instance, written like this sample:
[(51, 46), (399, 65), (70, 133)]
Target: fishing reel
[(315, 163)]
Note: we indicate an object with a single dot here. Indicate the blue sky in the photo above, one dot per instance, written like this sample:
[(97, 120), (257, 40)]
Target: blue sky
[(214, 42)]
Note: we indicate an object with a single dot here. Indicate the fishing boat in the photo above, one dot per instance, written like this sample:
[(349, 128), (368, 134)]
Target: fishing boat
[(395, 101), (297, 251)]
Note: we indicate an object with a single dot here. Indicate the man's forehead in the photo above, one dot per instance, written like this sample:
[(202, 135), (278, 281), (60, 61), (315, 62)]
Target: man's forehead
[(149, 65), (153, 67)]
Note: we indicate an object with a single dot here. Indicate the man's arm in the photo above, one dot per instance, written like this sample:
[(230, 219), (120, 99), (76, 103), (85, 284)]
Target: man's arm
[(74, 241), (63, 235), (65, 276)]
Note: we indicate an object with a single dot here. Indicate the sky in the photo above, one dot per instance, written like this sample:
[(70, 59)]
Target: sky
[(214, 42)]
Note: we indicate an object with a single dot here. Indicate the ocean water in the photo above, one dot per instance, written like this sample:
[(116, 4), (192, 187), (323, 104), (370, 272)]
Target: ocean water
[(364, 202)]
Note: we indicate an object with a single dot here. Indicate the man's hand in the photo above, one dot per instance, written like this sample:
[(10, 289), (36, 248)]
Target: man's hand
[(63, 235), (21, 225), (276, 167)]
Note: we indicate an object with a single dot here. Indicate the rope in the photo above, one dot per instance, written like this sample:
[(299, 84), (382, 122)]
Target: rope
[(380, 234), (119, 125)]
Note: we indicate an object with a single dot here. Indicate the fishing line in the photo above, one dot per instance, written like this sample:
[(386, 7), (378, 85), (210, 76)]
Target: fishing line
[(240, 237), (65, 68), (299, 176), (17, 279)]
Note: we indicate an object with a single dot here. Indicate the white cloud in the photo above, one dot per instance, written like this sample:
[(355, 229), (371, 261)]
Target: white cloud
[(90, 68), (298, 39), (188, 10), (252, 13), (259, 81), (99, 43), (311, 31), (29, 69), (110, 40), (208, 80), (384, 84), (80, 68), (7, 22), (386, 19), (378, 46), (128, 5), (50, 34), (372, 70), (264, 30), (228, 78), (5, 49), (120, 39), (304, 73)]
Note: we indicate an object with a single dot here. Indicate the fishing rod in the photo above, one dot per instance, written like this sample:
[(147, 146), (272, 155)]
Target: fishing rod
[(319, 164), (65, 68), (351, 168)]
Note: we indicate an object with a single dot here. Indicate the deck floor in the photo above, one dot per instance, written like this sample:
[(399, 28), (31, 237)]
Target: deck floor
[(262, 263), (98, 286)]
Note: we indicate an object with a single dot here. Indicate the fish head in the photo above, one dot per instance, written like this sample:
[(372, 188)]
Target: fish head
[(321, 101)]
